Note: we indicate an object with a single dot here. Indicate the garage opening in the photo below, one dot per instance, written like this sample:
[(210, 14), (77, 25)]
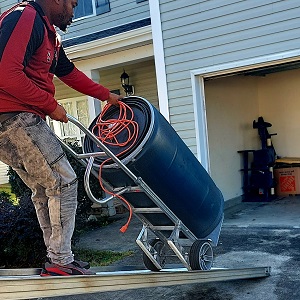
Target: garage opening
[(233, 102)]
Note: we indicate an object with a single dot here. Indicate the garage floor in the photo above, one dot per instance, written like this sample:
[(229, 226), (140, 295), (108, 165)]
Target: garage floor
[(282, 212)]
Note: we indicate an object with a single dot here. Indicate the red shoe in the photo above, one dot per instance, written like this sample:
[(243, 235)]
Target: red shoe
[(83, 264), (73, 268)]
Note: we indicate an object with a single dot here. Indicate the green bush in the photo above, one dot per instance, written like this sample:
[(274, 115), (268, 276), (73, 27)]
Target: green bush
[(20, 235)]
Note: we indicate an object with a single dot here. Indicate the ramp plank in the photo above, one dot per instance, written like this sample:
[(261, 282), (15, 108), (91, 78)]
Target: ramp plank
[(29, 287)]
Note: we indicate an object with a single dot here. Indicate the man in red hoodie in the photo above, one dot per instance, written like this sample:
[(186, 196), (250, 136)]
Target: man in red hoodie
[(30, 55)]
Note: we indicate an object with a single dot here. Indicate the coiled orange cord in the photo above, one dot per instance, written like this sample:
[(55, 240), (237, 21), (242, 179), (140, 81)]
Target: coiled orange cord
[(107, 132)]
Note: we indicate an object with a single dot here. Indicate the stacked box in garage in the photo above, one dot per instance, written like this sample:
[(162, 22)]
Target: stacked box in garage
[(287, 181)]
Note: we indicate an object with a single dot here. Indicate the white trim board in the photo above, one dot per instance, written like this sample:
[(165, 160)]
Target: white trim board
[(159, 58)]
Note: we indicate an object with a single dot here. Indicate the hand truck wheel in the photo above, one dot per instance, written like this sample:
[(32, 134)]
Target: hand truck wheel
[(201, 256), (158, 252)]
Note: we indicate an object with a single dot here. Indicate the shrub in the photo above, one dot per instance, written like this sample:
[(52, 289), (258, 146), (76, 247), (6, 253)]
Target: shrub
[(20, 234), (7, 216)]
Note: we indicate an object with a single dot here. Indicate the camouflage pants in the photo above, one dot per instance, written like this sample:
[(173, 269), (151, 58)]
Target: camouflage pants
[(28, 145)]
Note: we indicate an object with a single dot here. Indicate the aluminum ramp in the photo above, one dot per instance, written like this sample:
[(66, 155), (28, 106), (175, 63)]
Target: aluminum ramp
[(26, 284)]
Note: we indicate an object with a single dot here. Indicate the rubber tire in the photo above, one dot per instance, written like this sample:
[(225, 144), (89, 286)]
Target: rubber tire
[(201, 256), (159, 246)]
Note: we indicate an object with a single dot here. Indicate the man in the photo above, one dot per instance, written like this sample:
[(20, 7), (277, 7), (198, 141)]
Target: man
[(30, 55)]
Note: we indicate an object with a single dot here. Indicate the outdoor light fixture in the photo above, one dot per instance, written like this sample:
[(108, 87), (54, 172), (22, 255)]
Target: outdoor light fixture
[(129, 89)]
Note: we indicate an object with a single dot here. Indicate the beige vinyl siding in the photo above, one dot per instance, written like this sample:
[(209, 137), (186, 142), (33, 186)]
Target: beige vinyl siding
[(142, 77)]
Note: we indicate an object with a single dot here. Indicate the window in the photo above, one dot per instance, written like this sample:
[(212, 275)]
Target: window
[(89, 8), (139, 1), (84, 9), (78, 108)]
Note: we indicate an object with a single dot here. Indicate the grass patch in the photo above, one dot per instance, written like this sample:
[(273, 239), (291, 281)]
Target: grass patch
[(100, 258), (6, 188)]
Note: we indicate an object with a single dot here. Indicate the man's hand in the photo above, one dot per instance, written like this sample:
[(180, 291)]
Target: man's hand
[(114, 98), (59, 114)]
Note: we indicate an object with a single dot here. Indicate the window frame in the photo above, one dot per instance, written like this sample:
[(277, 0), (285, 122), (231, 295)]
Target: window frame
[(101, 9), (61, 128)]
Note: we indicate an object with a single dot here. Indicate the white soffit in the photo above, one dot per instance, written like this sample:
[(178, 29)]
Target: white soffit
[(115, 43)]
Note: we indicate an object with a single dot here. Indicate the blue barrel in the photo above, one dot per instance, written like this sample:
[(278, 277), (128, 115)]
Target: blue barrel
[(168, 167)]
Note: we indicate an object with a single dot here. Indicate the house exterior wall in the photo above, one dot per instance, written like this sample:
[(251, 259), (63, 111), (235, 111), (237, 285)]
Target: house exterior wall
[(142, 75), (121, 12), (6, 4), (199, 34)]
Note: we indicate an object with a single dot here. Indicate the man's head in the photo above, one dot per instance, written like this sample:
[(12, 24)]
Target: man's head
[(59, 12)]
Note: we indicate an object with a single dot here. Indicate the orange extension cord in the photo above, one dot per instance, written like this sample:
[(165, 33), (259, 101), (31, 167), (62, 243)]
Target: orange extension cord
[(107, 133)]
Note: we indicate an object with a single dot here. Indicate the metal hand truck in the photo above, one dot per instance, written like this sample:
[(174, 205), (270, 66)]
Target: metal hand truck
[(163, 234)]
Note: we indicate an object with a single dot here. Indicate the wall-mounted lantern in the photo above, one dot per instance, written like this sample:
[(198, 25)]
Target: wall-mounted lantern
[(129, 89)]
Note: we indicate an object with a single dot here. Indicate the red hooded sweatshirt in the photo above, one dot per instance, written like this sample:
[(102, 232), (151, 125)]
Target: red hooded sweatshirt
[(30, 55)]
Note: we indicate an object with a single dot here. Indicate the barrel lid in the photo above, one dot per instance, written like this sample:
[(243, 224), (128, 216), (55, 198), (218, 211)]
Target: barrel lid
[(142, 115)]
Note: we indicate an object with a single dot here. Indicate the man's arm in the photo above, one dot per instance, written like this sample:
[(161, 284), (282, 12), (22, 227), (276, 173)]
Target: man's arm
[(20, 37)]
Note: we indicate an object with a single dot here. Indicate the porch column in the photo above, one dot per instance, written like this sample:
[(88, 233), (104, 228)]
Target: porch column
[(94, 105)]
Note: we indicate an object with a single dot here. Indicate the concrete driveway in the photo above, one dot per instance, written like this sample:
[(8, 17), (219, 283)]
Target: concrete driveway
[(253, 234)]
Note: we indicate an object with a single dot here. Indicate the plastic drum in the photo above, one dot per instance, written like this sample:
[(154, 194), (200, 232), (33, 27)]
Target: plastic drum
[(168, 167)]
